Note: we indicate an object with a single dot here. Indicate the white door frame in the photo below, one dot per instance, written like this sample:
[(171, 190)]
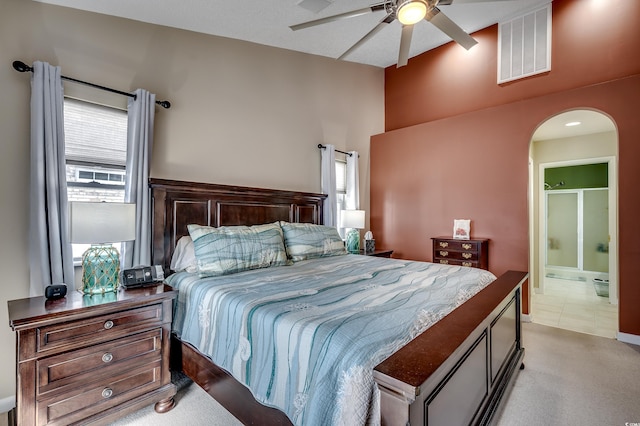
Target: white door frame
[(613, 220)]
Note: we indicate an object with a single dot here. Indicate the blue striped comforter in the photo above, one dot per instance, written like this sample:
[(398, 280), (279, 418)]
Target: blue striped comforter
[(305, 338)]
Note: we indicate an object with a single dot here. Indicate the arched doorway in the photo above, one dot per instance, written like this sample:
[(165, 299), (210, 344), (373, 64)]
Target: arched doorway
[(573, 223)]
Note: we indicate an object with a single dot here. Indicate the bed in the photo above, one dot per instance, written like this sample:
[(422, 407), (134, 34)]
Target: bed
[(456, 371)]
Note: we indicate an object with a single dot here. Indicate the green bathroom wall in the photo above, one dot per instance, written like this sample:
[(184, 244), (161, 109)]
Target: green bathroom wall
[(576, 177)]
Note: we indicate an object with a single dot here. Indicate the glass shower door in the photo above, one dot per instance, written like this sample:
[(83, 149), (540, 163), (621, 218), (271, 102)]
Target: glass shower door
[(596, 230), (562, 229)]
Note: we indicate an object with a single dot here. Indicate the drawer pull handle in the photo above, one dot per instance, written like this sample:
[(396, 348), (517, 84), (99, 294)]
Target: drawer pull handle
[(466, 246), (444, 244), (444, 261), (467, 264), (107, 392), (108, 357), (467, 255), (444, 253), (108, 325)]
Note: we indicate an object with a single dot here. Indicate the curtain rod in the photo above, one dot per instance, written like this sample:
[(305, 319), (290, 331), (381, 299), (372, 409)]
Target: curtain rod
[(22, 67), (337, 150)]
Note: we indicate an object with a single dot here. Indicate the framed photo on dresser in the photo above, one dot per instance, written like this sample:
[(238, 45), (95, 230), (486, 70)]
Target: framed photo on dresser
[(462, 229)]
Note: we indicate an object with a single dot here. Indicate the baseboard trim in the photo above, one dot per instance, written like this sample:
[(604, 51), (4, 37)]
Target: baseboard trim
[(7, 404), (526, 317), (629, 338)]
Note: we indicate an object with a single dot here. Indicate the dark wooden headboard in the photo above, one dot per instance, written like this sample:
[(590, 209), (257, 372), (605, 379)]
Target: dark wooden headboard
[(177, 204)]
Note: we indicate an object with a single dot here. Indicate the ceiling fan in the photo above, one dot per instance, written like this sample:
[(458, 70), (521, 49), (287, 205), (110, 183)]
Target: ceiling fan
[(408, 13)]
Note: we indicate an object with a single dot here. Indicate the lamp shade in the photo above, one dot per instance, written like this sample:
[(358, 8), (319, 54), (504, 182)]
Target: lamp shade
[(97, 223), (352, 219)]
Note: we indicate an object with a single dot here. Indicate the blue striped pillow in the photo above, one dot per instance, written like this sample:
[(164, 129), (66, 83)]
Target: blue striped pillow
[(230, 249), (307, 241)]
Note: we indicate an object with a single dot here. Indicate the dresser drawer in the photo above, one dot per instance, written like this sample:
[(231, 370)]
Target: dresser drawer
[(98, 329), (103, 360), (471, 264), (473, 253), (457, 245), (64, 408), (457, 255)]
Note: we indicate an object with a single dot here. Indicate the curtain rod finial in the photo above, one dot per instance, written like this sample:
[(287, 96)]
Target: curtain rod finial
[(21, 66), (164, 104)]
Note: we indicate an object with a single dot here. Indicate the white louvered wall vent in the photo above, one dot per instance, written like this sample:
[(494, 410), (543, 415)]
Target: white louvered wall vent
[(524, 45)]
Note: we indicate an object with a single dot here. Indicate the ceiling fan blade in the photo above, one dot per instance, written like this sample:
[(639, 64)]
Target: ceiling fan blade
[(387, 20), (345, 15), (405, 44), (450, 28)]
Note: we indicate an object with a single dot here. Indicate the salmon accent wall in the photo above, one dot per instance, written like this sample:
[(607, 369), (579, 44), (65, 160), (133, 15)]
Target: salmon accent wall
[(592, 41), (459, 150)]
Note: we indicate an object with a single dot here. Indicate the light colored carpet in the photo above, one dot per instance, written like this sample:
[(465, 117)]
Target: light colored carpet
[(570, 379), (194, 407), (574, 379)]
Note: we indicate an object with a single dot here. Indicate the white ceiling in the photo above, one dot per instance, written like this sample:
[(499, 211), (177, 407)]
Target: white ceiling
[(590, 122), (267, 22)]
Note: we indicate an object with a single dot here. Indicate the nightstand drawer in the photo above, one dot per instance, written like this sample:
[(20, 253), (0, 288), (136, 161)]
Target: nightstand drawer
[(377, 253), (85, 400), (100, 328), (88, 364)]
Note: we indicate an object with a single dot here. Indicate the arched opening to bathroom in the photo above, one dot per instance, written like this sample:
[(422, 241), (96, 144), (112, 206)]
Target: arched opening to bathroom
[(573, 223)]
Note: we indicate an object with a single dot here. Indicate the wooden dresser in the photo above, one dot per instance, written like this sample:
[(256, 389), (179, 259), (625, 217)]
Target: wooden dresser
[(450, 251), (92, 359)]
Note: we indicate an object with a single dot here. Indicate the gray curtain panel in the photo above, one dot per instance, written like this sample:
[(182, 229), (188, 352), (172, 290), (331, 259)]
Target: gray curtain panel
[(50, 254), (139, 147)]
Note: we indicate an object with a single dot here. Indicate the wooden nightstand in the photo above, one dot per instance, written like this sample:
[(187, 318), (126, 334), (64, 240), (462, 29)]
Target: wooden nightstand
[(472, 252), (92, 359), (378, 253)]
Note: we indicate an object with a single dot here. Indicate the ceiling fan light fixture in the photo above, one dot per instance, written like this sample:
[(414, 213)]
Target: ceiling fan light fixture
[(411, 11)]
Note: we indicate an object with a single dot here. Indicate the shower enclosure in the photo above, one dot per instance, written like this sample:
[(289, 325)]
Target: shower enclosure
[(578, 233), (577, 224)]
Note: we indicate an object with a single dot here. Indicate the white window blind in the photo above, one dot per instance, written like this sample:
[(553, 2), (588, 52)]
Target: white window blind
[(94, 134), (96, 154)]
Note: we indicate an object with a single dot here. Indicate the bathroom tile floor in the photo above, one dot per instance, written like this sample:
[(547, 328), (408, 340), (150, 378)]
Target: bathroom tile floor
[(574, 305)]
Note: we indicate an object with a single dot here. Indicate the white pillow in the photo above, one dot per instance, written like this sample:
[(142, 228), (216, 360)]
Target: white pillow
[(184, 256)]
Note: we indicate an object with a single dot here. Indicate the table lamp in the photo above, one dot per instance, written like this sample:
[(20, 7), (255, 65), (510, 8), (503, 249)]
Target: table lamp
[(353, 219), (101, 224)]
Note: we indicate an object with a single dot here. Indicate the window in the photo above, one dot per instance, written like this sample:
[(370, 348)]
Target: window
[(96, 154), (112, 177), (341, 192), (341, 176)]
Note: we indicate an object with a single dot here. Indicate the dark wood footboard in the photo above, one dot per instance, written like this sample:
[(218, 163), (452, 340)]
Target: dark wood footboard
[(230, 393), (458, 370)]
